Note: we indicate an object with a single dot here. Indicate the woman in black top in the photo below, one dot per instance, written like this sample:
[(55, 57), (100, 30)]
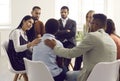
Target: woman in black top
[(19, 46)]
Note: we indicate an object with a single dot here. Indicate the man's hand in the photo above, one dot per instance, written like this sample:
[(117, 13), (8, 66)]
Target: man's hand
[(50, 43)]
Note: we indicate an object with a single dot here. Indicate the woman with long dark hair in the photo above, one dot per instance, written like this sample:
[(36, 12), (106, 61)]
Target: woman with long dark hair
[(111, 31), (19, 46)]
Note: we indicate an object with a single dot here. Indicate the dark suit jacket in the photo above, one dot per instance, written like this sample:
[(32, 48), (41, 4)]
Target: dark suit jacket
[(62, 33), (67, 38)]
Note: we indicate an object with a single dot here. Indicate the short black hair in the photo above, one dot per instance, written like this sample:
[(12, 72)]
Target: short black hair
[(102, 19), (51, 26), (64, 7), (35, 7), (110, 29)]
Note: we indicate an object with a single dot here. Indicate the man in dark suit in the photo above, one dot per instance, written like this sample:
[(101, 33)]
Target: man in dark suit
[(66, 35)]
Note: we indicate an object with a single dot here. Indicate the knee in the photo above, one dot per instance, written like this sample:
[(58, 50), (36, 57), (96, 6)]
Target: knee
[(72, 75)]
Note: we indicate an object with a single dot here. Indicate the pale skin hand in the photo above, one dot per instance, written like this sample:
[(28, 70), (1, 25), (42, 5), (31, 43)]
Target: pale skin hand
[(50, 43), (34, 42)]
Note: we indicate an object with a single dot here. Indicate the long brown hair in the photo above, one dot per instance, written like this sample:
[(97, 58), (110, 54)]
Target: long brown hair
[(110, 29)]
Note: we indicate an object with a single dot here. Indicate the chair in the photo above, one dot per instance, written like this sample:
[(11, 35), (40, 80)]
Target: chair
[(37, 71), (17, 73), (105, 71)]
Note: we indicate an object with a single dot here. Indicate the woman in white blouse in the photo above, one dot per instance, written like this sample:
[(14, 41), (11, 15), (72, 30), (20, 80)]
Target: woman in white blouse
[(19, 46)]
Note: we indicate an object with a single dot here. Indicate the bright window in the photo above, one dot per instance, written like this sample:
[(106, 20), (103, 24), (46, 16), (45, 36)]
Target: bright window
[(4, 13), (97, 5)]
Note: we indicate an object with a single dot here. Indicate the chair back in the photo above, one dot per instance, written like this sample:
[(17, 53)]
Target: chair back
[(37, 71), (105, 71), (5, 48)]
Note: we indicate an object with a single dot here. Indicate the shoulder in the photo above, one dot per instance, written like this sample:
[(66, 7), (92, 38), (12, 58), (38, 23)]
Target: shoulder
[(59, 43), (115, 38), (39, 22), (71, 20), (99, 36), (98, 33), (14, 33), (93, 36), (59, 20)]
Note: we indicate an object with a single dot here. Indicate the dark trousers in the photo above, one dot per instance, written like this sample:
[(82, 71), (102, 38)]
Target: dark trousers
[(63, 63), (61, 76), (67, 61), (78, 62), (66, 64)]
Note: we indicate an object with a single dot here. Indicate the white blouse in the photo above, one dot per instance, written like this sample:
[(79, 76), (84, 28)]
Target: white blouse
[(14, 36)]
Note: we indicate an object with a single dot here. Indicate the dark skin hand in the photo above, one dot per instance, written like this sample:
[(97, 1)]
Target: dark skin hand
[(50, 43)]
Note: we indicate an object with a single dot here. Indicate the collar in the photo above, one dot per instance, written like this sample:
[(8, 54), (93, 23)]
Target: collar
[(64, 19), (101, 30), (23, 32), (49, 35)]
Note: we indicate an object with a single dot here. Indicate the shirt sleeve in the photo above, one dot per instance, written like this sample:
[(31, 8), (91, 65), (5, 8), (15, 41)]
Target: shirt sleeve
[(86, 45), (16, 42)]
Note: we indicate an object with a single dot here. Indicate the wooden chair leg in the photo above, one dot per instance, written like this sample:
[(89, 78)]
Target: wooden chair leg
[(25, 77), (16, 77), (71, 65), (20, 76)]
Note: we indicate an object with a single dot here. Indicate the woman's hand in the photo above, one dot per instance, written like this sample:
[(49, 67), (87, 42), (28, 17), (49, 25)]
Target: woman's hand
[(34, 42)]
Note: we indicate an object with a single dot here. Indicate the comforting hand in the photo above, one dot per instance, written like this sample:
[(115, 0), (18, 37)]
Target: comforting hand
[(50, 43), (35, 41)]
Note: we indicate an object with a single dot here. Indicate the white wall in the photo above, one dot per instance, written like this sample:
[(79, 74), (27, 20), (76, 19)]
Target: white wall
[(113, 11), (116, 16), (20, 8)]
